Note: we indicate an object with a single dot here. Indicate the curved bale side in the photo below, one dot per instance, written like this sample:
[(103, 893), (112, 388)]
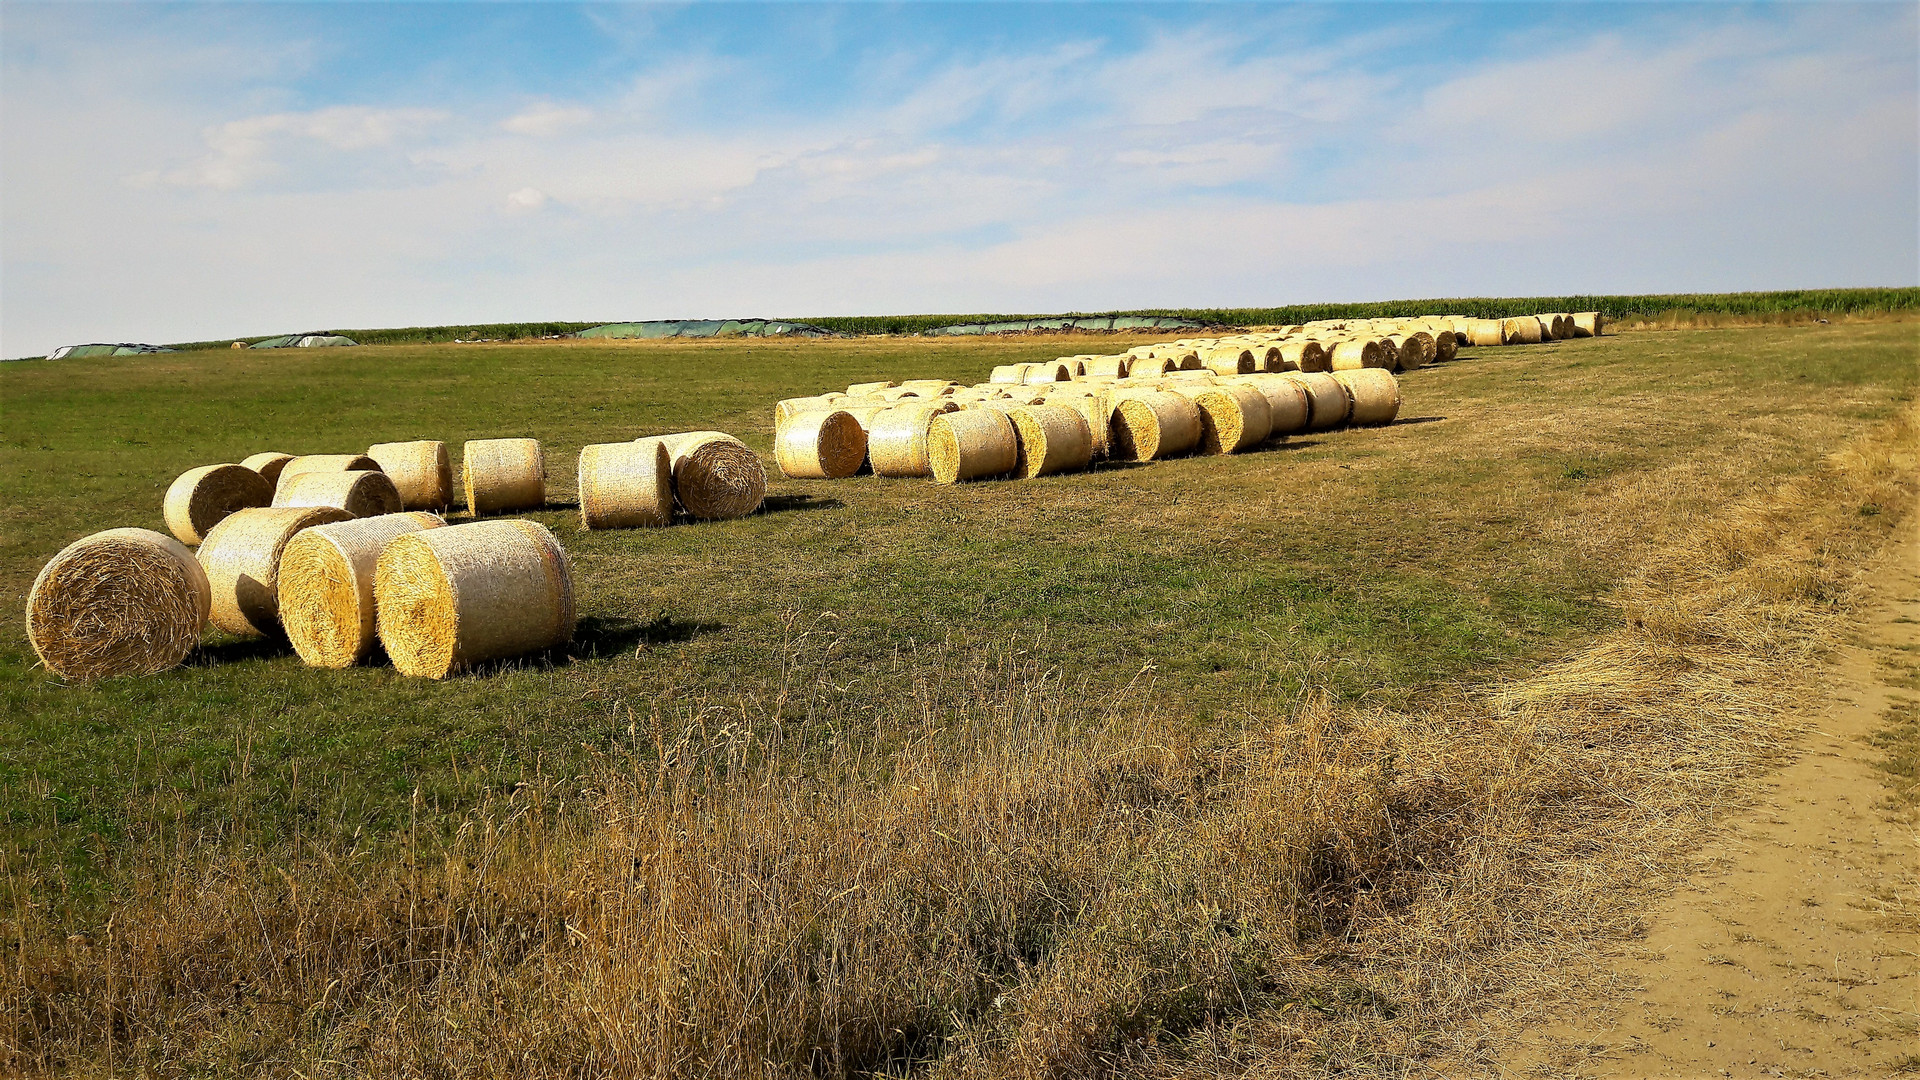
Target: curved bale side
[(1521, 330), (625, 486), (1110, 367), (326, 585), (827, 445), (1559, 325), (1288, 407), (119, 602), (897, 440), (1096, 409), (1152, 425), (448, 599), (268, 464), (242, 559), (201, 498), (1267, 357), (420, 470), (1051, 371), (716, 477), (1329, 402), (1482, 333), (972, 444), (788, 408), (361, 493), (1356, 353), (503, 475), (1308, 355), (931, 387), (1375, 393), (1232, 417), (307, 463), (1446, 346), (861, 389), (1588, 324), (1150, 367), (1231, 360), (1050, 439), (1007, 374)]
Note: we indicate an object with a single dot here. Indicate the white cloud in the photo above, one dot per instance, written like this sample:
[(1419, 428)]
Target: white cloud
[(254, 148), (546, 119), (527, 199)]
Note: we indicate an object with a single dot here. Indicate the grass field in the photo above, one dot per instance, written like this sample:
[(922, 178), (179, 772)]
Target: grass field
[(858, 641)]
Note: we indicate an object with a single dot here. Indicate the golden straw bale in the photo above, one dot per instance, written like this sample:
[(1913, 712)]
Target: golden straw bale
[(307, 463), (419, 470), (820, 446), (362, 493), (971, 444), (1050, 439), (898, 394), (1329, 401), (1375, 393), (1446, 345), (1050, 371), (1484, 332), (448, 599), (1267, 356), (201, 498), (861, 389), (788, 408), (119, 602), (1107, 366), (326, 585), (503, 475), (1150, 367), (242, 559), (1588, 324), (1305, 355), (1356, 353), (1288, 407), (716, 477), (1009, 373), (1229, 360), (1186, 358), (626, 485), (931, 387), (1406, 351), (1560, 324), (1520, 330), (897, 441), (1233, 417), (1150, 425), (268, 464)]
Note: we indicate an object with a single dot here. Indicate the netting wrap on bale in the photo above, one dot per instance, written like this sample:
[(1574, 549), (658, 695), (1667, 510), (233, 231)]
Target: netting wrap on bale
[(824, 445), (448, 599), (1232, 418), (326, 585), (897, 441), (625, 486), (202, 498), (361, 493), (242, 559), (119, 602), (420, 472), (503, 475)]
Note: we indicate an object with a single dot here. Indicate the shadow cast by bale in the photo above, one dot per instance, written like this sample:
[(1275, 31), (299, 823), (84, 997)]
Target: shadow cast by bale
[(602, 637), (239, 651), (1281, 445), (1418, 420), (780, 504)]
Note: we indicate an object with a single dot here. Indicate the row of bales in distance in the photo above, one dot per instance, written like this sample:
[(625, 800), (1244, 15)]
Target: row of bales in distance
[(338, 552), (1214, 395)]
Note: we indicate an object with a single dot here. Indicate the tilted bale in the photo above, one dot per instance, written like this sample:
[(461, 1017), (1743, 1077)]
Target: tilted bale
[(420, 471), (827, 445), (119, 602), (1589, 324), (326, 585), (268, 464), (201, 498), (970, 445), (1233, 417), (503, 475), (897, 440), (625, 486), (242, 559), (449, 599), (1050, 439), (307, 463), (716, 477), (1151, 425), (1375, 393)]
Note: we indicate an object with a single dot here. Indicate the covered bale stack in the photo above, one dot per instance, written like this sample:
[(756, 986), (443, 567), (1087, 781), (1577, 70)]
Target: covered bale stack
[(268, 464), (971, 444), (361, 493), (420, 471), (448, 599), (1050, 439), (503, 475), (119, 602), (242, 559), (1375, 393), (626, 485), (1152, 425), (326, 585), (202, 498), (715, 476), (307, 463), (826, 445), (897, 441)]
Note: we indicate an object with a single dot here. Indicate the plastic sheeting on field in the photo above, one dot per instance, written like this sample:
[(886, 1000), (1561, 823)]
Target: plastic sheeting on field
[(303, 341), (706, 328), (1028, 326), (65, 352)]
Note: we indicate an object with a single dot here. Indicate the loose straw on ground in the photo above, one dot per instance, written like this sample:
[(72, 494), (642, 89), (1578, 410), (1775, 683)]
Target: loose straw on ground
[(201, 498), (361, 493), (119, 602), (625, 486), (503, 475), (716, 477), (448, 599), (242, 559), (420, 472), (971, 445), (326, 585)]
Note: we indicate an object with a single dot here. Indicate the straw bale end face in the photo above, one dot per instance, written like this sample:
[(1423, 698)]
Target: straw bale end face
[(1375, 395), (820, 446), (241, 557), (420, 471), (360, 493), (716, 477), (626, 486), (326, 585), (201, 498), (268, 464), (448, 599), (502, 475), (119, 602)]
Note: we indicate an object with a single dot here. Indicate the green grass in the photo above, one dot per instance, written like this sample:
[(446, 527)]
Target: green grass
[(1383, 566)]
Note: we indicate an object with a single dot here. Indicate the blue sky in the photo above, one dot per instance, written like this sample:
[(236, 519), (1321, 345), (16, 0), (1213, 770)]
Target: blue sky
[(182, 171)]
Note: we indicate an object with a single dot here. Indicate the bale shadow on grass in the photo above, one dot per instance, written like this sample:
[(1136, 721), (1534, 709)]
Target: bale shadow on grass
[(1282, 445), (598, 637), (1418, 420), (222, 653), (780, 504)]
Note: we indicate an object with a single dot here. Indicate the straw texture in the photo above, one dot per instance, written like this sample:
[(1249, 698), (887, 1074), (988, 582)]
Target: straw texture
[(860, 389), (448, 599), (1524, 330), (1376, 395), (1232, 418), (119, 602), (201, 498), (1152, 425), (820, 446), (1050, 439), (242, 559), (419, 470), (1112, 367), (1308, 355), (1329, 402), (715, 476), (1150, 367), (326, 585), (323, 463), (361, 493), (897, 441), (971, 444), (626, 485), (1229, 360), (1354, 354), (1009, 373), (1288, 408), (1589, 324), (503, 475), (1485, 332), (1048, 372), (268, 464)]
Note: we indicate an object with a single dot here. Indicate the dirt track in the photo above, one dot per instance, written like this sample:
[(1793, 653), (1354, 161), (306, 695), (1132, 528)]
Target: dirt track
[(1779, 957)]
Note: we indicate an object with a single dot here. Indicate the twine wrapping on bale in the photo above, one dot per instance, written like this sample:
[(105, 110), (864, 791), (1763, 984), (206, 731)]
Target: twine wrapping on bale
[(1375, 393), (1354, 354), (1232, 417), (242, 559), (1288, 408), (268, 464), (626, 485), (1112, 367), (1009, 373), (419, 470), (119, 602), (1588, 324), (971, 444), (307, 463), (1524, 330), (201, 498), (1329, 402), (820, 446), (715, 476), (362, 493), (1308, 355), (503, 475), (1050, 439), (448, 599), (326, 585), (897, 441), (1151, 425), (1229, 360)]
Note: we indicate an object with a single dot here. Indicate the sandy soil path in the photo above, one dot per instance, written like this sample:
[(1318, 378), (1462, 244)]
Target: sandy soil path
[(1785, 955)]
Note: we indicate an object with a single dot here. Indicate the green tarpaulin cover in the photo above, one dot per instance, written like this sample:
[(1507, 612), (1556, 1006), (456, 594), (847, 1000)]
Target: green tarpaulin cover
[(705, 328), (98, 349), (303, 341), (1027, 326)]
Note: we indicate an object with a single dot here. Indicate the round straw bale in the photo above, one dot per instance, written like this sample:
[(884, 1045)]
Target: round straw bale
[(503, 474), (242, 559), (629, 485), (1009, 373), (1267, 357), (361, 493), (1559, 324), (420, 472), (1108, 366), (934, 385), (1329, 402), (1485, 332), (119, 602), (897, 441), (200, 498), (971, 444), (1051, 371), (1288, 407), (860, 389), (1150, 367), (1588, 323), (1096, 409), (326, 585), (307, 463), (898, 394), (1520, 330), (447, 599), (1406, 351), (715, 476), (1305, 355), (1376, 395), (1228, 360), (820, 446), (268, 464), (1186, 358), (1050, 439), (1233, 417), (788, 408), (1446, 345), (1356, 353), (1152, 425)]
